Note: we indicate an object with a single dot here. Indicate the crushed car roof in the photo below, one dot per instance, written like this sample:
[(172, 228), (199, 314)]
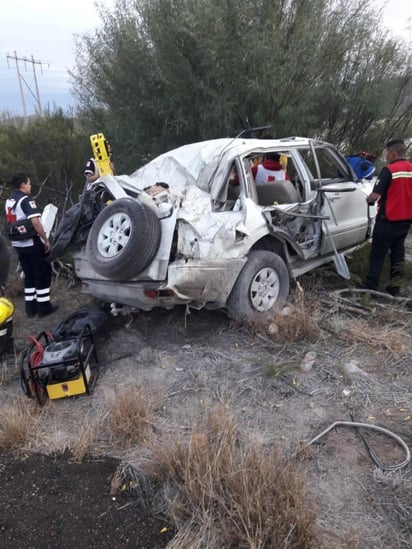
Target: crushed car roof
[(197, 163)]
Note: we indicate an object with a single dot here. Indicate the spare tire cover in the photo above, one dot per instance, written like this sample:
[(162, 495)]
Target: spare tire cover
[(123, 239)]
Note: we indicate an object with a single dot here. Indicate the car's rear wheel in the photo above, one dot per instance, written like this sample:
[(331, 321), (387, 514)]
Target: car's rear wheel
[(123, 239), (261, 288)]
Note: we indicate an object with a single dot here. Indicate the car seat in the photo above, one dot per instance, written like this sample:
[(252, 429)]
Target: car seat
[(281, 192)]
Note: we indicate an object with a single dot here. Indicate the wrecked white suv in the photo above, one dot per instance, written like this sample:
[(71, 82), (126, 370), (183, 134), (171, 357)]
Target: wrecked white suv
[(208, 236)]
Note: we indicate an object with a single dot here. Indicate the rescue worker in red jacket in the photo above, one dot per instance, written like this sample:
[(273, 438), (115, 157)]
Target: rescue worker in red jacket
[(393, 191)]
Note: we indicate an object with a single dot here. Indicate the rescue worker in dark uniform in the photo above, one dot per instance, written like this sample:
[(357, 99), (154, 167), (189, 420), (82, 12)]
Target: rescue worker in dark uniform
[(91, 172), (393, 191), (32, 252)]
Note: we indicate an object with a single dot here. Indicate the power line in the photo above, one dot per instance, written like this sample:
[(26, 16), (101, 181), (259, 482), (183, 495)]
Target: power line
[(21, 79)]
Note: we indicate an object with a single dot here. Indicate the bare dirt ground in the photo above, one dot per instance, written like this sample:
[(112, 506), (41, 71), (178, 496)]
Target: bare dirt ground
[(189, 364)]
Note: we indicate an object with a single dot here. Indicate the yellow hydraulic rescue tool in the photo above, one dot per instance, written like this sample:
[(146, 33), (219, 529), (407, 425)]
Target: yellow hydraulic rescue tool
[(102, 153)]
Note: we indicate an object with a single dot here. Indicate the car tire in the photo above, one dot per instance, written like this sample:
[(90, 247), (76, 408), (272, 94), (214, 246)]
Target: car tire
[(261, 287), (123, 239)]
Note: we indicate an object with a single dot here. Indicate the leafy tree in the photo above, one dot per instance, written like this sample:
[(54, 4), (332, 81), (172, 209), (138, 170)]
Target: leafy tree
[(166, 72), (51, 149)]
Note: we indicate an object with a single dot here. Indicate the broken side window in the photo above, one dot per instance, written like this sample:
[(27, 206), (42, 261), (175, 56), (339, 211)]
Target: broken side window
[(332, 168)]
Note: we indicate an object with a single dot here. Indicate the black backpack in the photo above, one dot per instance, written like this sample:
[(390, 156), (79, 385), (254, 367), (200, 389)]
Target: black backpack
[(75, 323)]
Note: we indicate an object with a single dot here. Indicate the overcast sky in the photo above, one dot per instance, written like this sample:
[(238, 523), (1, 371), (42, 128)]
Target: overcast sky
[(45, 29)]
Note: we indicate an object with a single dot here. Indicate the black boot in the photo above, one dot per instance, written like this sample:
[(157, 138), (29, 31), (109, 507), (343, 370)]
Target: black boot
[(47, 308), (31, 308)]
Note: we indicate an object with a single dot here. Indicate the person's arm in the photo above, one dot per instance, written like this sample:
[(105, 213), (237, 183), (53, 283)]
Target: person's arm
[(380, 187), (372, 198), (32, 212), (37, 224)]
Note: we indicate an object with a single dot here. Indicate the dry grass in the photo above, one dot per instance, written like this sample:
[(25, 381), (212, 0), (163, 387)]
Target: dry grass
[(387, 338), (224, 493), (392, 494), (18, 422), (131, 414), (149, 357), (297, 322), (87, 436), (397, 316)]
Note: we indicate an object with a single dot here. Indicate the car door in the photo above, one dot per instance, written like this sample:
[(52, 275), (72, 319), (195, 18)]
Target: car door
[(343, 200)]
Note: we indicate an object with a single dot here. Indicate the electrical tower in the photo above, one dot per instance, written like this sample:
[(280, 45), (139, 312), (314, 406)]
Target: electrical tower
[(22, 80)]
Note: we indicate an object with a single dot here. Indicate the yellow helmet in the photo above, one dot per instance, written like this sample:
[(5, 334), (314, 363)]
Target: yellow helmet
[(6, 309)]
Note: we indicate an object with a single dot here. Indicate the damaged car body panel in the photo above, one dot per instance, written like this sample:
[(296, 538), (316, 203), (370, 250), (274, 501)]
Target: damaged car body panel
[(192, 226)]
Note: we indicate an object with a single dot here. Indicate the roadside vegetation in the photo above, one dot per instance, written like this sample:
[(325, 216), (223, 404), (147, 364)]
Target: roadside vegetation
[(52, 149), (224, 491), (169, 73), (18, 422)]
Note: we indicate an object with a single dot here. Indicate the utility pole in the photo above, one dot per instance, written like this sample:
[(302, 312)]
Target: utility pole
[(23, 102), (33, 62), (22, 80)]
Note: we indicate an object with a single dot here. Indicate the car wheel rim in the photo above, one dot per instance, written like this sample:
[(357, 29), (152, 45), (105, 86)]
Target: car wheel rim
[(264, 290), (114, 235)]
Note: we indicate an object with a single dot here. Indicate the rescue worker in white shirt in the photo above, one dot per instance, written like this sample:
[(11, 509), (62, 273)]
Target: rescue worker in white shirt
[(393, 192), (270, 170), (32, 252)]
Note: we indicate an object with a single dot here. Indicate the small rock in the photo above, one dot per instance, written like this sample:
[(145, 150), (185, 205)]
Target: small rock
[(308, 361), (352, 367)]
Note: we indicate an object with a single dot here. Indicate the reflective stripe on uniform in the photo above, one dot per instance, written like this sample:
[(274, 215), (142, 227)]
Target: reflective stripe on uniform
[(43, 295), (397, 175), (29, 294)]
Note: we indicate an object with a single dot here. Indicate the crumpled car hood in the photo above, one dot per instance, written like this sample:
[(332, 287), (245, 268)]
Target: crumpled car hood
[(191, 164)]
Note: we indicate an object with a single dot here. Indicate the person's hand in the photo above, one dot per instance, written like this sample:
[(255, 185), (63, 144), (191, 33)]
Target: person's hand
[(372, 198), (47, 245)]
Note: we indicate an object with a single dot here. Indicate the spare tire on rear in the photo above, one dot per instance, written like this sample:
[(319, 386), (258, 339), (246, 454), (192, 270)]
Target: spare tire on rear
[(123, 239)]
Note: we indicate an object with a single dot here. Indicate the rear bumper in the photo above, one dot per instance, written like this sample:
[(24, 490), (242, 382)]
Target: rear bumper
[(190, 281)]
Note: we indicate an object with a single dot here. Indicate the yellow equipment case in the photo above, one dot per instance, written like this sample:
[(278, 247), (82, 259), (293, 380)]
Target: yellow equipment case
[(57, 369)]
